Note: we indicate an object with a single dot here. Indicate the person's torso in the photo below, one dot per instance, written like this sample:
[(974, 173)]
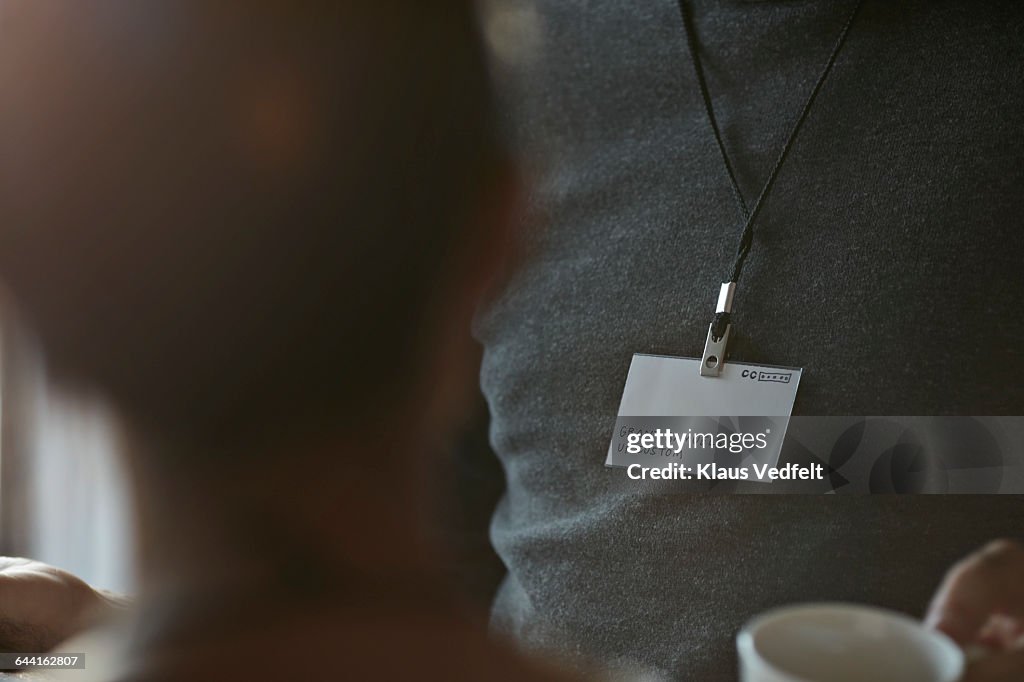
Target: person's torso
[(886, 263)]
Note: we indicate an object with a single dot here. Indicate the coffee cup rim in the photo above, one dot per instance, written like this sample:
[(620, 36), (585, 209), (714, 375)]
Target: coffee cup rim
[(746, 644)]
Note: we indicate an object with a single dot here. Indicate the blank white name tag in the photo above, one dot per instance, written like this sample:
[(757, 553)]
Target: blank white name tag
[(670, 414)]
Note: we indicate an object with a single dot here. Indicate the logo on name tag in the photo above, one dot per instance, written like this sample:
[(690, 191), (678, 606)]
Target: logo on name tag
[(776, 377)]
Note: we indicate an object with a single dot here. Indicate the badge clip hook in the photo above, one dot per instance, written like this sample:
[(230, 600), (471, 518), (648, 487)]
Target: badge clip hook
[(715, 346)]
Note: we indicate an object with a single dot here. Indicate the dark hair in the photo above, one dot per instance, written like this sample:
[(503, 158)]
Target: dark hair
[(231, 296)]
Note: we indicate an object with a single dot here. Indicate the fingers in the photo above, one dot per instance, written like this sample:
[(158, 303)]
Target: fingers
[(1001, 633), (999, 668), (988, 583)]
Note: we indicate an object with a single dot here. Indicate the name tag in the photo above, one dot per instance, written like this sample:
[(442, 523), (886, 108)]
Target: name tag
[(671, 416)]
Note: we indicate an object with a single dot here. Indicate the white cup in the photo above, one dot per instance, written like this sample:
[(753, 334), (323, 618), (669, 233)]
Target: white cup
[(844, 643)]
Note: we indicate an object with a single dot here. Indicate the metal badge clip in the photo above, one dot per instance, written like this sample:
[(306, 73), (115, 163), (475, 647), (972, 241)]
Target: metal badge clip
[(715, 346)]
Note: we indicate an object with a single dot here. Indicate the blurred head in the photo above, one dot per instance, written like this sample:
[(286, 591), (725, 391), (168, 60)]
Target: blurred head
[(245, 222)]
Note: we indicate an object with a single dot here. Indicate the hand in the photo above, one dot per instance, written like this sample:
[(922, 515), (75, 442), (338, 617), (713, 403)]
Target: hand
[(980, 605), (41, 606)]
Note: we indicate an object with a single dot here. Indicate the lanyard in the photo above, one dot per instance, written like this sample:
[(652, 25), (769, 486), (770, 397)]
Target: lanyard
[(718, 331)]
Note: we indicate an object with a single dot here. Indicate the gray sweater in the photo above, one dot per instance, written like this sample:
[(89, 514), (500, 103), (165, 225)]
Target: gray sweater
[(887, 263)]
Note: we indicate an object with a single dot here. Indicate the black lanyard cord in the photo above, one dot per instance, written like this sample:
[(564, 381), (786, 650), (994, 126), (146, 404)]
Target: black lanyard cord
[(747, 236)]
